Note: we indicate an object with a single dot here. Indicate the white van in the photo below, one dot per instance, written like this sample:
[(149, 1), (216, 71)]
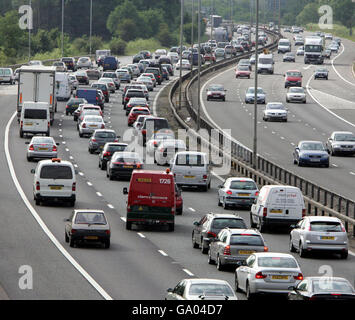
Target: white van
[(7, 75), (191, 168), (266, 63), (35, 118), (284, 46), (277, 205), (63, 88), (54, 180)]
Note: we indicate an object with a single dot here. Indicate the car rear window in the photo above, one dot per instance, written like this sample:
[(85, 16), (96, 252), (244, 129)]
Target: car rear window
[(331, 285), (210, 289), (56, 172), (221, 223), (193, 160), (277, 262), (90, 218), (243, 185), (35, 114), (326, 226), (157, 124), (116, 148), (105, 135), (248, 240)]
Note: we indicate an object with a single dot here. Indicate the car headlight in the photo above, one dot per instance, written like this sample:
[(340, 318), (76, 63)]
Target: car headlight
[(325, 156)]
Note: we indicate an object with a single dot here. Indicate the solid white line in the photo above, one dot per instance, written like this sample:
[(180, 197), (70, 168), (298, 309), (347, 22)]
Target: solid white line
[(81, 173), (44, 227), (99, 194), (334, 165), (89, 183), (141, 235), (188, 272), (163, 253), (111, 206), (192, 209), (123, 219), (340, 76), (352, 173)]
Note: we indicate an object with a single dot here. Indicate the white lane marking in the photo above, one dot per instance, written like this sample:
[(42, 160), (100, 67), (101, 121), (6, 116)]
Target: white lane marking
[(123, 219), (334, 165), (111, 206), (353, 173), (66, 149), (163, 253), (188, 272), (89, 183), (99, 194), (282, 138), (192, 209), (71, 157), (81, 173), (340, 76), (75, 165), (292, 144), (306, 68), (60, 136), (40, 222), (63, 142), (141, 235)]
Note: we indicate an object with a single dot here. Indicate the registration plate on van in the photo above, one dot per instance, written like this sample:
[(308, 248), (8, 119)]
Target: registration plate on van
[(189, 177), (275, 211), (55, 187)]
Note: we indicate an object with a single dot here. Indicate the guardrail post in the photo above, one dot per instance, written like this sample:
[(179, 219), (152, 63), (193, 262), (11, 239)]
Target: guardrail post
[(347, 214), (353, 225)]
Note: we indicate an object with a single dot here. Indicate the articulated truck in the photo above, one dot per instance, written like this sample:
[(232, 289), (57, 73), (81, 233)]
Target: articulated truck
[(37, 84), (313, 50)]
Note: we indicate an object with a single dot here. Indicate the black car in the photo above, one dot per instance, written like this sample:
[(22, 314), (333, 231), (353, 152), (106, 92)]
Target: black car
[(146, 54), (169, 67), (69, 62), (132, 93), (73, 104), (321, 73), (122, 164), (107, 152), (99, 138), (137, 58), (157, 73)]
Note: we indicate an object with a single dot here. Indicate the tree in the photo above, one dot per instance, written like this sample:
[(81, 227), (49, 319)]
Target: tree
[(164, 36), (344, 12), (127, 30), (118, 46), (309, 14), (125, 11)]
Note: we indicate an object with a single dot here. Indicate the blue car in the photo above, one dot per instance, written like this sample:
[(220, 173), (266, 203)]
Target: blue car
[(311, 153), (92, 96), (123, 75), (110, 63)]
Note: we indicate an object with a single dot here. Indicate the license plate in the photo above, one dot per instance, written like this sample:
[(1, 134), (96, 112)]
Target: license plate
[(29, 124), (246, 252), (315, 160), (92, 126), (327, 238), (91, 238), (43, 149), (243, 194), (128, 167), (189, 177), (279, 277), (275, 211), (55, 188), (101, 147)]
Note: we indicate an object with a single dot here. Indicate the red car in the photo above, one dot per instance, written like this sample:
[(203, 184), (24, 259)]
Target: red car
[(239, 48), (135, 112), (293, 78), (210, 57), (242, 71)]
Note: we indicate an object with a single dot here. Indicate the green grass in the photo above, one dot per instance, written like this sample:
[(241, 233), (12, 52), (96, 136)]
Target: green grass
[(133, 47), (338, 30)]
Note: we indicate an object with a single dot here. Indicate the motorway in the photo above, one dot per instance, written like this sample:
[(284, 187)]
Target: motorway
[(142, 263)]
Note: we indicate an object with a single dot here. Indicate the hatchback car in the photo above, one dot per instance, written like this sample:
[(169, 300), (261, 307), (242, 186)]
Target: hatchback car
[(289, 56), (296, 94), (236, 191), (311, 153), (183, 64), (341, 142), (136, 102), (135, 112), (87, 225), (293, 78), (167, 150), (99, 138), (134, 93), (327, 53), (108, 150), (318, 233), (321, 73), (268, 272), (84, 62), (210, 225), (123, 75), (275, 111), (216, 92), (122, 164), (42, 148), (242, 71), (104, 88), (90, 124), (220, 53), (151, 76), (82, 77), (156, 138), (60, 66), (147, 81), (233, 245), (323, 289), (73, 104), (110, 84), (250, 95), (114, 77), (201, 289), (245, 62)]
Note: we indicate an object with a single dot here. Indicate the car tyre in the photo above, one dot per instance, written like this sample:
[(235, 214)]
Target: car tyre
[(107, 244), (236, 284), (261, 226), (291, 247), (203, 248), (194, 243), (220, 266), (66, 237), (301, 251), (38, 202), (252, 224), (171, 227), (71, 242), (250, 296), (344, 255), (210, 260)]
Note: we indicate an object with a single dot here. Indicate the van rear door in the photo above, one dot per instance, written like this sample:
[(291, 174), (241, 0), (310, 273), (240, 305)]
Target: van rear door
[(35, 120), (294, 203)]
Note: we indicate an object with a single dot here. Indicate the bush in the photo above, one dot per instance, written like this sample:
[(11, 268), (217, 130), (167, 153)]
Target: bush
[(135, 46), (118, 46)]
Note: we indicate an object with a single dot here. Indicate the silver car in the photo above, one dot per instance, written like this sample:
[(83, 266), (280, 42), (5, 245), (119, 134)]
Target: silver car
[(167, 149), (201, 289), (296, 94), (341, 142), (60, 66), (74, 83), (268, 272), (250, 95), (275, 111), (114, 77), (156, 139), (42, 148), (90, 124), (110, 84), (237, 191), (147, 81), (233, 245), (319, 233), (84, 62)]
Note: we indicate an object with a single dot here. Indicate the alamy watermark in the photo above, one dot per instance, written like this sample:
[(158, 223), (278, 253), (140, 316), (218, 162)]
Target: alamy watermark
[(326, 20), (26, 280), (26, 20)]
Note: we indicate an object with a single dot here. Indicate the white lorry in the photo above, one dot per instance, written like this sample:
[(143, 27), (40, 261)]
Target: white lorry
[(63, 86), (313, 50), (37, 84)]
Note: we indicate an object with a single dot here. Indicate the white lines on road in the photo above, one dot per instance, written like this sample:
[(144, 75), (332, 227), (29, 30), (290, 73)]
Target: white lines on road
[(64, 142), (60, 136), (81, 173), (188, 272), (89, 183), (292, 144), (334, 165), (111, 206), (352, 173), (66, 149), (163, 253), (141, 235), (75, 165), (340, 76), (123, 219), (71, 157), (99, 194), (192, 209)]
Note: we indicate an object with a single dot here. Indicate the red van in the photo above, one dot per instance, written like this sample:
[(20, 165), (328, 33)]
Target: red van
[(151, 198)]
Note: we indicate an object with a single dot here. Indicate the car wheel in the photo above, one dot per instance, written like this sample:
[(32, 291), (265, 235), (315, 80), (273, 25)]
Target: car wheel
[(291, 247), (326, 165), (80, 135), (220, 266), (38, 202), (194, 243), (171, 227), (219, 203), (250, 296), (66, 237), (304, 101), (128, 225), (107, 244), (71, 242), (301, 251), (236, 284), (110, 176), (261, 226), (29, 159), (90, 151), (344, 255), (225, 205), (203, 248), (210, 260), (252, 224)]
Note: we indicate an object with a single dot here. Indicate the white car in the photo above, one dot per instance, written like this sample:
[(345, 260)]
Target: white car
[(275, 111), (296, 94), (135, 69), (318, 233), (300, 51), (147, 81), (84, 62), (89, 124), (174, 56), (201, 289), (156, 138), (74, 83), (268, 272), (183, 64), (110, 84), (167, 149)]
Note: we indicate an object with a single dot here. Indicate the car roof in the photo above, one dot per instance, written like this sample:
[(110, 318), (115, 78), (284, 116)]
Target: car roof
[(50, 162), (205, 280), (239, 179), (274, 254), (323, 218), (342, 132), (224, 215), (310, 141), (88, 210), (104, 130)]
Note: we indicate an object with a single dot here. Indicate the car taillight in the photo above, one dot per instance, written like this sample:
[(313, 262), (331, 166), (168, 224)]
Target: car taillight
[(38, 187), (204, 177), (129, 106), (144, 131), (229, 192), (211, 234), (66, 106), (73, 188), (106, 154), (102, 126), (260, 275), (94, 140), (264, 212), (256, 193), (116, 140), (303, 212), (97, 98), (84, 125), (127, 98), (21, 124), (54, 148), (31, 147), (298, 277), (266, 249), (227, 251), (73, 231), (342, 228), (49, 124)]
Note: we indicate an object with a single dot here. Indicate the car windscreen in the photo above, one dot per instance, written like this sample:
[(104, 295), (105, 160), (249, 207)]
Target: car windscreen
[(243, 185), (105, 135), (344, 137), (114, 148), (210, 289), (331, 285), (265, 61), (326, 226), (313, 48), (312, 146), (192, 160), (275, 106), (248, 240), (243, 68), (277, 262), (221, 223), (35, 114), (56, 172), (90, 218), (216, 88), (5, 72), (293, 74), (297, 90), (126, 159)]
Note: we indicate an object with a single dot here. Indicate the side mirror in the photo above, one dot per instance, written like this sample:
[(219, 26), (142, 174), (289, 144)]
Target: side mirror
[(220, 186), (27, 142), (169, 290), (33, 171), (196, 223), (125, 190), (328, 151), (66, 220), (76, 171)]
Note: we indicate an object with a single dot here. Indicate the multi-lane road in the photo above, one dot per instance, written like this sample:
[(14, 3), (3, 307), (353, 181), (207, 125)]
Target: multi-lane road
[(141, 264)]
